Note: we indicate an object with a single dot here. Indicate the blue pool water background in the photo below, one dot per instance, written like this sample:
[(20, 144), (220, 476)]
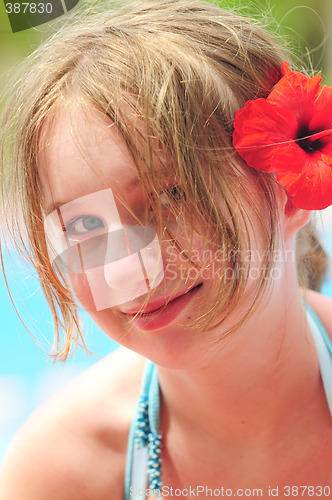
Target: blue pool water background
[(27, 375)]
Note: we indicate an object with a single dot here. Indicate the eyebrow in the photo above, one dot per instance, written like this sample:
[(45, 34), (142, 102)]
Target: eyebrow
[(131, 185)]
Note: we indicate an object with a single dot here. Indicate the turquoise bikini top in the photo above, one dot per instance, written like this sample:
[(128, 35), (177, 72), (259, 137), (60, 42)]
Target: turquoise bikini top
[(143, 460)]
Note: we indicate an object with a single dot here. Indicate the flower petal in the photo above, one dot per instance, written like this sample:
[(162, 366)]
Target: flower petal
[(322, 118), (306, 176), (297, 93), (260, 128)]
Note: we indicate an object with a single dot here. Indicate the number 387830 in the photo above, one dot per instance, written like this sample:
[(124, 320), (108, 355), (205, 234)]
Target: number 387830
[(28, 8)]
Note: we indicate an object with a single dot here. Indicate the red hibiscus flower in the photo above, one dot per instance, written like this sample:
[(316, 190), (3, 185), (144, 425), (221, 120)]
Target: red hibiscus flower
[(290, 133)]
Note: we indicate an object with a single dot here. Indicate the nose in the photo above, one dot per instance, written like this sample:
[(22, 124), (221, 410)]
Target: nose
[(133, 260), (126, 274)]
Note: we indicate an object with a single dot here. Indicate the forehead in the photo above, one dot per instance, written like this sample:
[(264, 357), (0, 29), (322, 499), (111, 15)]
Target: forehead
[(81, 152)]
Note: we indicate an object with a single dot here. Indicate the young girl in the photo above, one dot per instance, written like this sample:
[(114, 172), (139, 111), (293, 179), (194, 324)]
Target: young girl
[(164, 158)]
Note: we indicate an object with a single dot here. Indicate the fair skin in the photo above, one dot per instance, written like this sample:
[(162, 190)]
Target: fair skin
[(248, 412)]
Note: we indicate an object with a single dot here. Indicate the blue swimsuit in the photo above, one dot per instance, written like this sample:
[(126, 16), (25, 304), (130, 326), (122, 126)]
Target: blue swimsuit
[(136, 478)]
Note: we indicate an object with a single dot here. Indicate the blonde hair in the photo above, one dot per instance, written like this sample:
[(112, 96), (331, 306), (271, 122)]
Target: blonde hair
[(184, 67)]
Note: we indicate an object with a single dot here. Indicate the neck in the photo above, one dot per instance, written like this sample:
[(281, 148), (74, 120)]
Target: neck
[(245, 393)]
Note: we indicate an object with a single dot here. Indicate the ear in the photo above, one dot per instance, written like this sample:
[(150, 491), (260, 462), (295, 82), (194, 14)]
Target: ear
[(295, 218)]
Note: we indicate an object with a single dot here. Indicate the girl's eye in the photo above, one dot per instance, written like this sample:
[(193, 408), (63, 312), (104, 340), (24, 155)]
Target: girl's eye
[(174, 193), (83, 225)]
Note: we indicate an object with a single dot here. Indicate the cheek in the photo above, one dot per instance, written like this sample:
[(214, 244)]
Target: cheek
[(82, 291), (193, 265)]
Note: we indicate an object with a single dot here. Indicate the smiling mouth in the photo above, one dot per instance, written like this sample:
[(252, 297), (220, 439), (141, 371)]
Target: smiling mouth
[(164, 305)]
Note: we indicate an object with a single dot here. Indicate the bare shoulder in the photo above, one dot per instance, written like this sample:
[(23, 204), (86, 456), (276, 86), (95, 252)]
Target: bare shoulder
[(322, 306), (74, 445)]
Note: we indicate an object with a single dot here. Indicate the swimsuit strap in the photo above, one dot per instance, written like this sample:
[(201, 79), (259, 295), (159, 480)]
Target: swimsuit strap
[(144, 425), (324, 352)]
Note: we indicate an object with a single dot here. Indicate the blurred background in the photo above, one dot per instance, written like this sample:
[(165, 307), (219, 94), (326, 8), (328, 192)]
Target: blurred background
[(27, 376)]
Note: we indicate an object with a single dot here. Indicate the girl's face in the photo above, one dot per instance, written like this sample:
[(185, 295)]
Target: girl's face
[(86, 158)]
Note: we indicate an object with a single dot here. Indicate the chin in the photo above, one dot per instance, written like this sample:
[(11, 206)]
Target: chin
[(161, 335)]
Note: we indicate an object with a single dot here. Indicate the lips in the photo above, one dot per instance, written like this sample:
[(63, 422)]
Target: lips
[(157, 305), (160, 314)]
